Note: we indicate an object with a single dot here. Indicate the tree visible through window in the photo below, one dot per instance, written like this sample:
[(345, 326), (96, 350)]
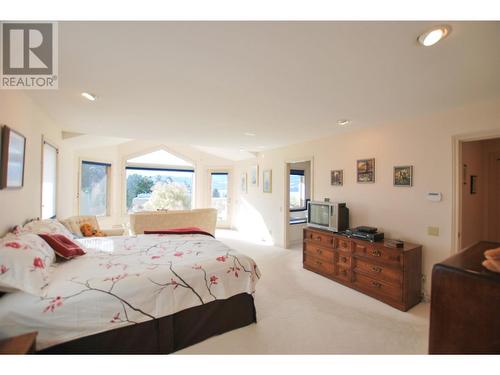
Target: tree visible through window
[(154, 183)]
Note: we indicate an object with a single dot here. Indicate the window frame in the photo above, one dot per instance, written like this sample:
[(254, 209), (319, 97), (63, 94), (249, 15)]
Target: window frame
[(297, 172), (165, 168), (109, 166), (123, 163), (53, 145)]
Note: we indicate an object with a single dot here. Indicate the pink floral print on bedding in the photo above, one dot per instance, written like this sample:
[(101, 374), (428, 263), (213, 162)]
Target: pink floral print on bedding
[(25, 260)]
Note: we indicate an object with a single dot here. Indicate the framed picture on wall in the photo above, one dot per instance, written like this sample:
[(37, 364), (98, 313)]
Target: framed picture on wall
[(403, 176), (12, 159), (337, 177), (365, 169), (267, 181), (254, 175), (243, 182)]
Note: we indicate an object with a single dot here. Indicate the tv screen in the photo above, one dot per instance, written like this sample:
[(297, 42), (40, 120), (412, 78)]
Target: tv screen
[(319, 214)]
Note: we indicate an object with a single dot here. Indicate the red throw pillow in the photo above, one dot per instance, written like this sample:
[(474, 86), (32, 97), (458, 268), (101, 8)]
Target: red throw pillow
[(63, 246)]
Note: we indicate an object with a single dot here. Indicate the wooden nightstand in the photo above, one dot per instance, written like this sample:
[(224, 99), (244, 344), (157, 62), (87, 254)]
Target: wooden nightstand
[(22, 344)]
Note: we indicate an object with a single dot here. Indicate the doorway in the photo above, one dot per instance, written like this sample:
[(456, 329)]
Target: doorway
[(220, 196), (480, 192), (298, 192)]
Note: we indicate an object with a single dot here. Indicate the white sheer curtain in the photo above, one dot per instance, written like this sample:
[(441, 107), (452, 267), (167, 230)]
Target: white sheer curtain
[(49, 181)]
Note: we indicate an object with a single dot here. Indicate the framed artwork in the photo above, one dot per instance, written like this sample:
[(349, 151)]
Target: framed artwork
[(254, 175), (244, 186), (473, 184), (365, 169), (403, 176), (267, 181), (12, 159), (337, 177)]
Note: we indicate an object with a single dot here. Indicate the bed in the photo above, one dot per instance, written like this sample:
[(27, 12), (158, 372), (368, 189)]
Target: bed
[(152, 293)]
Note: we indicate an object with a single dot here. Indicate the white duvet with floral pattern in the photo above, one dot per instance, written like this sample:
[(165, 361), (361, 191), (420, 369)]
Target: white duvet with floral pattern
[(127, 280)]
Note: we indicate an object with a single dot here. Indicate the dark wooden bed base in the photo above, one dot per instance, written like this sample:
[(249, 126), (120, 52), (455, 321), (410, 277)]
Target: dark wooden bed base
[(168, 334)]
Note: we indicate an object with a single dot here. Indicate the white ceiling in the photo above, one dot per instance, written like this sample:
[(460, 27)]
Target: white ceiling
[(207, 83)]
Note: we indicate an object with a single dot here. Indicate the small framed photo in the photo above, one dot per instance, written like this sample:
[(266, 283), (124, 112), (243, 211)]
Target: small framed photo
[(473, 184), (365, 169), (267, 181), (244, 185), (337, 177), (403, 176), (254, 175), (12, 159)]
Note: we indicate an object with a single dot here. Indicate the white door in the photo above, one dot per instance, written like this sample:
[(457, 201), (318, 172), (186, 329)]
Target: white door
[(220, 196)]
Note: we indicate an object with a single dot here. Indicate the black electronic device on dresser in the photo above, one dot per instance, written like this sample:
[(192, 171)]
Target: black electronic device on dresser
[(364, 233)]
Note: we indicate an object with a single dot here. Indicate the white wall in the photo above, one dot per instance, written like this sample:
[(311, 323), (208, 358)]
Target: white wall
[(20, 113), (426, 143)]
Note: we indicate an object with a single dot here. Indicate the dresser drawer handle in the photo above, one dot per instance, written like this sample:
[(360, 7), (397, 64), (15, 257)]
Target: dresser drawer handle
[(376, 284), (343, 272), (376, 253), (319, 251), (376, 269), (343, 259), (319, 263), (318, 238)]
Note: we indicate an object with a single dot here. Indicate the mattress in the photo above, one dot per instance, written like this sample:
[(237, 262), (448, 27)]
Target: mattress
[(128, 280)]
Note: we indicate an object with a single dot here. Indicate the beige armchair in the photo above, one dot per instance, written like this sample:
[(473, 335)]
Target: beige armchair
[(75, 222), (203, 218)]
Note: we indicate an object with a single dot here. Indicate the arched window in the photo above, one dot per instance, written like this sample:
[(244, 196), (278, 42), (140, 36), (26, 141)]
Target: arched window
[(159, 180)]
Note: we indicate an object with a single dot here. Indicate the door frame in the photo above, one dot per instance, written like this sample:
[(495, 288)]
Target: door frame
[(286, 195), (457, 186), (229, 171)]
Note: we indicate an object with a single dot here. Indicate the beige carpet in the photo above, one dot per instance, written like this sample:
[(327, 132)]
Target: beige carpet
[(299, 312)]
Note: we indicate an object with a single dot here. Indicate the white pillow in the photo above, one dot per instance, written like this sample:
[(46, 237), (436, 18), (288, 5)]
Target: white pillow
[(51, 226), (24, 263)]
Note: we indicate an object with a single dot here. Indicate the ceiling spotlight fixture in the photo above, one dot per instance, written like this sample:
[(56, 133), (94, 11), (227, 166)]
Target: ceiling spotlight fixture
[(434, 35), (249, 134), (88, 96), (343, 122)]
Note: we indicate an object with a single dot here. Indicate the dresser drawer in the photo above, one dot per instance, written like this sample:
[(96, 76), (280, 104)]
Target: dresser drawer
[(378, 271), (343, 273), (323, 239), (317, 251), (389, 290), (343, 259), (344, 244), (318, 265), (377, 252)]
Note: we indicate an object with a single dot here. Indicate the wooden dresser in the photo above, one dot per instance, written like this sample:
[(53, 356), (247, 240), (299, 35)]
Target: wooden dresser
[(22, 344), (388, 274), (465, 305)]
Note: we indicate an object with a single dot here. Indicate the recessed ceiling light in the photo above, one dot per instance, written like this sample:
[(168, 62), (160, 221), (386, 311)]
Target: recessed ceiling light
[(88, 96), (343, 122), (242, 150), (434, 35), (249, 134)]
